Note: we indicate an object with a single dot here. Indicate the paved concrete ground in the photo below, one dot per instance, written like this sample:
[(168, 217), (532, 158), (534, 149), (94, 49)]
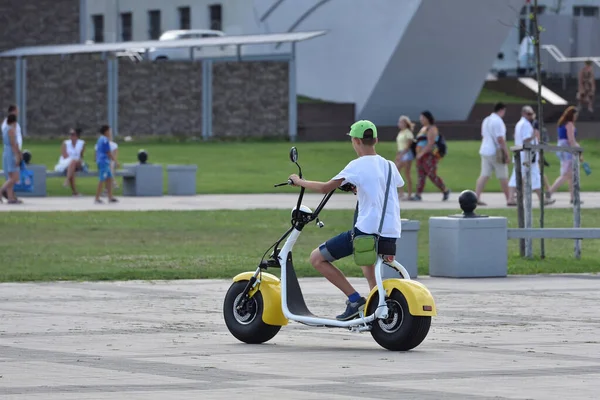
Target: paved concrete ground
[(340, 200), (506, 338)]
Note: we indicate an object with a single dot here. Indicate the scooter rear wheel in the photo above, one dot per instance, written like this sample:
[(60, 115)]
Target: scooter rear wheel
[(401, 331), (246, 325)]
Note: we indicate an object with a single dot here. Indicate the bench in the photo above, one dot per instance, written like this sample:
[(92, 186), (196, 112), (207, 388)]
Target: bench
[(138, 179)]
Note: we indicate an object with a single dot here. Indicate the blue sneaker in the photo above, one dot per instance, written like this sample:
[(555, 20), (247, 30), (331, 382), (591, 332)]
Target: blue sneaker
[(352, 309)]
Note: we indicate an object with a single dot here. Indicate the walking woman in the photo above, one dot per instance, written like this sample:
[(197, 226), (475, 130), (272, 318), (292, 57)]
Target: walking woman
[(11, 159), (405, 156), (587, 87), (428, 156), (566, 138)]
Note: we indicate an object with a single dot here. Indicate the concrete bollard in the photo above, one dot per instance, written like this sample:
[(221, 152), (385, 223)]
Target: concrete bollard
[(181, 180), (468, 245), (406, 250)]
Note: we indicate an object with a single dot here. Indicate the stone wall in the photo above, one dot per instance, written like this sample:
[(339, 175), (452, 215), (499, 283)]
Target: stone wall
[(38, 22), (64, 93), (160, 98), (250, 99), (7, 84)]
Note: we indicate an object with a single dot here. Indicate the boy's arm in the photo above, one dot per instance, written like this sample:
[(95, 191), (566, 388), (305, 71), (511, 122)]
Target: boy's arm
[(321, 187), (106, 148)]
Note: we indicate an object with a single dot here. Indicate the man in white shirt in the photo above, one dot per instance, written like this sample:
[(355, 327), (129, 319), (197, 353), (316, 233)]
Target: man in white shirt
[(493, 152), (524, 133), (368, 174)]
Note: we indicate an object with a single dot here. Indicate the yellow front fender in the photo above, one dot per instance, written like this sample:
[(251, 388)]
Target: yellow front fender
[(419, 299), (270, 289)]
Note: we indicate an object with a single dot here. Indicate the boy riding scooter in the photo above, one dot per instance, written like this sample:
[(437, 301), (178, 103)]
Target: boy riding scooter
[(376, 215)]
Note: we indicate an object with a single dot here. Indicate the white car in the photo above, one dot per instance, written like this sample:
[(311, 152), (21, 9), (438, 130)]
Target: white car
[(183, 53)]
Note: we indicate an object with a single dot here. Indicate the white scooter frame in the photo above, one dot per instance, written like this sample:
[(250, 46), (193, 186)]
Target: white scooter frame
[(360, 324)]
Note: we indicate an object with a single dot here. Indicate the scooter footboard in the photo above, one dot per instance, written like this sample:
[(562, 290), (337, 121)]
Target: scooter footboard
[(419, 299), (270, 290)]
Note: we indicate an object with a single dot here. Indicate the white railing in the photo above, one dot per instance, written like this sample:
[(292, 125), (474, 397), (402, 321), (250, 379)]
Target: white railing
[(560, 58)]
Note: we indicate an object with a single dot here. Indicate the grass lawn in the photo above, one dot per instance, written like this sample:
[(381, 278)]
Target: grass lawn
[(253, 167), (219, 244), (488, 96)]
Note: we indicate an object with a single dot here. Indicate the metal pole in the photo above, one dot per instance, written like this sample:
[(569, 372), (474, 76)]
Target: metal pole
[(576, 203), (528, 32), (540, 116), (520, 212), (206, 99), (23, 107), (18, 78), (528, 205), (109, 88), (115, 128), (292, 101)]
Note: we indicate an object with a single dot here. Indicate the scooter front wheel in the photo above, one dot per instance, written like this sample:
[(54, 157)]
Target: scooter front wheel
[(246, 324), (400, 331)]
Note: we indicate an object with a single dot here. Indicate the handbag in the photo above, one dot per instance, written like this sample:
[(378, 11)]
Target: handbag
[(25, 183), (500, 157), (365, 247)]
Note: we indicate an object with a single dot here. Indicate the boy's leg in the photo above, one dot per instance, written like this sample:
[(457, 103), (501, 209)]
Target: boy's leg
[(369, 273), (321, 258), (109, 184), (331, 272), (99, 191), (102, 177), (109, 188)]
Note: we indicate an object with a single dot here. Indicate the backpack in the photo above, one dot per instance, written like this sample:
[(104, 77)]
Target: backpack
[(441, 145)]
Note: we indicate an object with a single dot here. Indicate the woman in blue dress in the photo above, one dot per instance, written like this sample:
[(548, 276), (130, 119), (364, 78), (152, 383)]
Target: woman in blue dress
[(566, 138), (11, 158)]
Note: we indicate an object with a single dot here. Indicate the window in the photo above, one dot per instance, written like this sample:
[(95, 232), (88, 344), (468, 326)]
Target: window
[(126, 31), (98, 24), (216, 17), (154, 30), (185, 21), (585, 11)]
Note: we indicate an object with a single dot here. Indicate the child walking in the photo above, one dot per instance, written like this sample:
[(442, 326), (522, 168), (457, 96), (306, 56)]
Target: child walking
[(103, 158)]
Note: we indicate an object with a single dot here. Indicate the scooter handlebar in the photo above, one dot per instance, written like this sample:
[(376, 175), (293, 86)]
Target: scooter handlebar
[(289, 182)]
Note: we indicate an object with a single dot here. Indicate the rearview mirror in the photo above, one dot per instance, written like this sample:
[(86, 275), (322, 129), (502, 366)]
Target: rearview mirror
[(294, 155)]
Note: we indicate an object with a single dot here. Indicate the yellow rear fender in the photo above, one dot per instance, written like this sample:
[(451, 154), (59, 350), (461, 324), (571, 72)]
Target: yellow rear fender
[(270, 289), (419, 299)]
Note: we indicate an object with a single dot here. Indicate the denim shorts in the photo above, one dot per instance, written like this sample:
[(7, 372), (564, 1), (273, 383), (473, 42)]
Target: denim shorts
[(340, 246), (409, 156), (104, 172)]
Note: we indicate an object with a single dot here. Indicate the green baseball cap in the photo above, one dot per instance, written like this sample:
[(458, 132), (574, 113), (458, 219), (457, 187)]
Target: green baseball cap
[(358, 129)]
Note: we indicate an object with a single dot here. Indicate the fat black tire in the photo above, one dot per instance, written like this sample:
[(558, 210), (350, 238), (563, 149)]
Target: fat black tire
[(253, 330), (408, 335)]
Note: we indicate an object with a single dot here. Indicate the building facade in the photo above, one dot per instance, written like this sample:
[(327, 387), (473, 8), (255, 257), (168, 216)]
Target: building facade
[(137, 20), (560, 19)]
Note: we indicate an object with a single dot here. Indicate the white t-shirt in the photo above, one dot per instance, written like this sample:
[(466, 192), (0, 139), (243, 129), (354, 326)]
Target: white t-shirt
[(369, 175), (19, 135), (113, 146), (523, 131), (492, 128)]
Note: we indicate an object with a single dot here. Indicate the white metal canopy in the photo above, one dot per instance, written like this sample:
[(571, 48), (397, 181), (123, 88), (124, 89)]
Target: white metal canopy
[(238, 40)]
